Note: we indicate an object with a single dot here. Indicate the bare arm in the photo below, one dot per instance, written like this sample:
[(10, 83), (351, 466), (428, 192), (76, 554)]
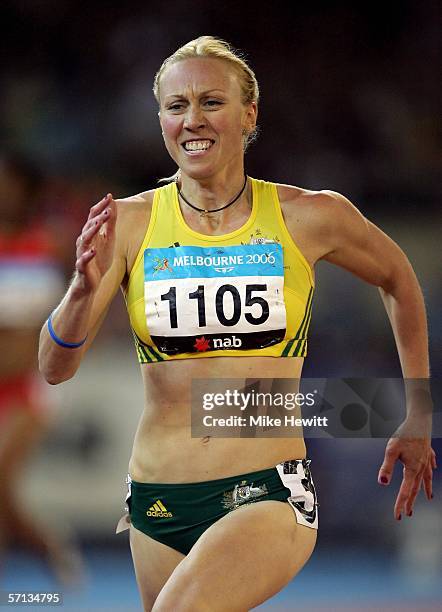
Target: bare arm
[(359, 246), (99, 269), (354, 243)]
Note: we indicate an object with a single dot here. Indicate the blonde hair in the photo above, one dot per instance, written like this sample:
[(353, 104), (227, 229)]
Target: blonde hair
[(212, 47)]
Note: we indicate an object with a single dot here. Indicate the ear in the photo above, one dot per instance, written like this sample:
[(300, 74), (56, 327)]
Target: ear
[(251, 116)]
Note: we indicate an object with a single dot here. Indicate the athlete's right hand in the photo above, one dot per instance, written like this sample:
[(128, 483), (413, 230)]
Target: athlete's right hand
[(95, 245)]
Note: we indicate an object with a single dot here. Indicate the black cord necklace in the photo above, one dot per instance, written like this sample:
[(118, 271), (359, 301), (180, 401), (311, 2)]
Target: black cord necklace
[(203, 212)]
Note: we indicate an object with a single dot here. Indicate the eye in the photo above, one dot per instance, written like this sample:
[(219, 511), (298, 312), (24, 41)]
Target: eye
[(177, 106), (212, 103)]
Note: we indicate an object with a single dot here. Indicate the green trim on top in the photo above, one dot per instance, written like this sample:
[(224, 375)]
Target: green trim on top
[(304, 323), (288, 346), (154, 353), (146, 354), (300, 347)]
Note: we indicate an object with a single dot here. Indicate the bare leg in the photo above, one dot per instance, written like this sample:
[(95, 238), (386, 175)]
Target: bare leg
[(240, 561), (154, 562)]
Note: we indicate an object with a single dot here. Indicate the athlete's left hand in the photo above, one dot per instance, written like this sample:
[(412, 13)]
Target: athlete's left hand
[(419, 461)]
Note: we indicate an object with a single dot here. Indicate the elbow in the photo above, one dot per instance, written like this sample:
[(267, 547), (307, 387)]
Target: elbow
[(55, 378), (399, 277), (399, 284), (389, 280), (53, 367), (53, 375)]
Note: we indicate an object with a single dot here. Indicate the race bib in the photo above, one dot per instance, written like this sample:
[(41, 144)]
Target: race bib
[(200, 299)]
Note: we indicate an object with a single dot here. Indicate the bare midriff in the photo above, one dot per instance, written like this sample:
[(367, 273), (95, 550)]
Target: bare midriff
[(164, 449)]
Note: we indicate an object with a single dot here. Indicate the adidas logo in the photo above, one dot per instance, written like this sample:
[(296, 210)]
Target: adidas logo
[(159, 509)]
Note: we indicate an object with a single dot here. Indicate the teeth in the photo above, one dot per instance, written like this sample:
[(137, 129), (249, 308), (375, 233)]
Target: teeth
[(197, 145)]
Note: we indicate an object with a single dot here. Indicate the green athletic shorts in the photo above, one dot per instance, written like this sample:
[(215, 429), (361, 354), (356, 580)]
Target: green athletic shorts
[(177, 514)]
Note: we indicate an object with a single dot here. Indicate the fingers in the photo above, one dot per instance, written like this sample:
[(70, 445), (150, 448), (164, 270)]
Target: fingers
[(88, 232), (386, 470), (428, 480), (417, 473), (406, 491), (98, 208), (413, 494), (84, 259), (411, 485), (425, 480), (97, 224), (112, 216)]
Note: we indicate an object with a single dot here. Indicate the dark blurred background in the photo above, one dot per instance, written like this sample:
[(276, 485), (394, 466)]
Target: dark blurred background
[(350, 101), (350, 95)]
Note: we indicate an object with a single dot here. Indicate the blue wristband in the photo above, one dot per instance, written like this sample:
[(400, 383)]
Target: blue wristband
[(59, 341)]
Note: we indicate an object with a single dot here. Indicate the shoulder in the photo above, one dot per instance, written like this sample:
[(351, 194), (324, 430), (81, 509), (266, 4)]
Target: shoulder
[(324, 202), (133, 216), (131, 207), (318, 219), (133, 212)]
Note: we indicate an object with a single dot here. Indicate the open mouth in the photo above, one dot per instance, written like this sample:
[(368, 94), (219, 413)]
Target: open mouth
[(197, 146)]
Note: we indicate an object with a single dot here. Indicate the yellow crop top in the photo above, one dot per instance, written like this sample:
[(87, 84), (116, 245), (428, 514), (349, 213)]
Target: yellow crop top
[(246, 293)]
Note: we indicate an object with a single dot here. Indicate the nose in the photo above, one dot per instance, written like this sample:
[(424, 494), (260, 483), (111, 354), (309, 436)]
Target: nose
[(194, 118)]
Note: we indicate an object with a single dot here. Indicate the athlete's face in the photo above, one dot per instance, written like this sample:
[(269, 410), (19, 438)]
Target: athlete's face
[(202, 116)]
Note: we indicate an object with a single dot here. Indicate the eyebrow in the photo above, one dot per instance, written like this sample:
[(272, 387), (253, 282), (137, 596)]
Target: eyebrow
[(203, 93)]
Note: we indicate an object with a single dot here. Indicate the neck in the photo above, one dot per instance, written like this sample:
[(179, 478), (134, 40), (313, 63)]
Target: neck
[(213, 192)]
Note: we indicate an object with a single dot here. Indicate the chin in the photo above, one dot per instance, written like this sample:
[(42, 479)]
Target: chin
[(198, 172)]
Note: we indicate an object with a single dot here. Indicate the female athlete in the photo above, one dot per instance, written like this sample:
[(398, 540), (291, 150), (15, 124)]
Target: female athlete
[(224, 523)]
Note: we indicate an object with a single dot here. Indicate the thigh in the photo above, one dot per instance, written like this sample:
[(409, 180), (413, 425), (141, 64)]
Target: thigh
[(240, 561), (154, 562)]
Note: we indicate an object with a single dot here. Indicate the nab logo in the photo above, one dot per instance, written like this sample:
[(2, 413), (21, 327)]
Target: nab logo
[(232, 342)]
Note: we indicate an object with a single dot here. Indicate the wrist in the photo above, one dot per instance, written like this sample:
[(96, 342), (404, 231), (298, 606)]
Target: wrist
[(415, 426), (79, 290), (60, 341)]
